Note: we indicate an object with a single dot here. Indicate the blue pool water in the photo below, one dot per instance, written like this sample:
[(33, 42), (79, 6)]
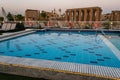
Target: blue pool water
[(75, 47), (115, 39)]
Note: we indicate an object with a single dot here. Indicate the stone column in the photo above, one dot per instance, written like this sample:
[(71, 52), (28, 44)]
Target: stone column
[(115, 16), (98, 14), (85, 14), (74, 15), (80, 15), (70, 15), (119, 16), (66, 16), (112, 16), (94, 15), (91, 15)]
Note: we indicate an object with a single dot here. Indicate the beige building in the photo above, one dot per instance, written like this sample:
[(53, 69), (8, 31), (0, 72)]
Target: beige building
[(83, 14), (32, 15)]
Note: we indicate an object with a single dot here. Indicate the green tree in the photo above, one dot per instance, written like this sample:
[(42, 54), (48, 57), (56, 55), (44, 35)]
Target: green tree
[(19, 17), (43, 14), (10, 17), (106, 24)]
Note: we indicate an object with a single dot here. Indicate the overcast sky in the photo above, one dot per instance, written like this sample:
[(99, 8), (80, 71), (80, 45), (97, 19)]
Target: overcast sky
[(19, 6)]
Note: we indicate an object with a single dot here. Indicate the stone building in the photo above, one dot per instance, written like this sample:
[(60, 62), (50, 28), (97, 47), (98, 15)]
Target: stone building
[(115, 16), (83, 14), (51, 15), (32, 15)]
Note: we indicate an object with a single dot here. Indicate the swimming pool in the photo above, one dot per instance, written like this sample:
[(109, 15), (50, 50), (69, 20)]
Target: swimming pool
[(115, 39), (75, 47)]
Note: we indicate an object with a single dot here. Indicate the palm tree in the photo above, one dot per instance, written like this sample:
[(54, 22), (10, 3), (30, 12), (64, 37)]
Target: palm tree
[(10, 17), (19, 17)]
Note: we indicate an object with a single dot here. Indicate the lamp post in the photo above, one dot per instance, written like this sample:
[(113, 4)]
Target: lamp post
[(111, 23)]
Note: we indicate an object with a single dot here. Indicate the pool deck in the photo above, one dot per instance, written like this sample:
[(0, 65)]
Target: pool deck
[(59, 70), (9, 35), (54, 66)]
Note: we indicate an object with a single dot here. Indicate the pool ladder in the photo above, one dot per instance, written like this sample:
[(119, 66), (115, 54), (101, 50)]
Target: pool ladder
[(105, 34)]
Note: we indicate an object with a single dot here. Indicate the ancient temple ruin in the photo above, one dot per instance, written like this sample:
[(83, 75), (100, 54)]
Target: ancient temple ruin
[(83, 14)]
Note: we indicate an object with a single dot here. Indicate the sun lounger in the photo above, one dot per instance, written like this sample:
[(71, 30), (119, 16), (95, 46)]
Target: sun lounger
[(8, 27), (61, 26), (27, 25), (4, 26), (13, 26), (43, 26)]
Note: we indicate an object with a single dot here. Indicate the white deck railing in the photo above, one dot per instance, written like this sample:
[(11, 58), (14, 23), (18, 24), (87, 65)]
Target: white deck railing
[(111, 25)]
